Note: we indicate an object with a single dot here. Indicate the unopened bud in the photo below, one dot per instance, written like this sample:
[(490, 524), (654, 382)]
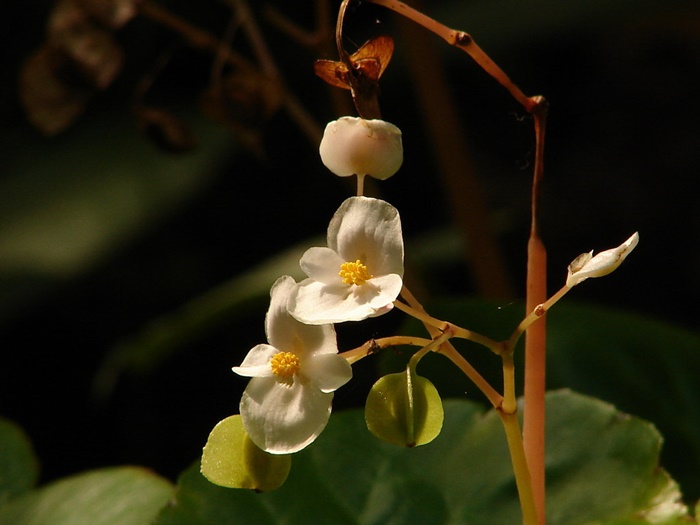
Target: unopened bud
[(355, 146), (586, 265)]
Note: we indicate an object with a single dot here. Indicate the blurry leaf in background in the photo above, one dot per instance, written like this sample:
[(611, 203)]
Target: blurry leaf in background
[(69, 203), (19, 468), (111, 496), (464, 476), (165, 336)]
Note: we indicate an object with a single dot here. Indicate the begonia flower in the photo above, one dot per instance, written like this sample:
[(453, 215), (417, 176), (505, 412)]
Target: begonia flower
[(355, 146), (586, 265), (287, 402), (360, 273)]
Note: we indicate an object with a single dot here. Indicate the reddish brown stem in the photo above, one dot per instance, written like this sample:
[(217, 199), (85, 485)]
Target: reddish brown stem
[(536, 334), (450, 143), (466, 43)]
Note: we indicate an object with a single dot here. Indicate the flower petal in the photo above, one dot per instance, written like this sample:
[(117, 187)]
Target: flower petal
[(389, 287), (322, 264), (327, 372), (315, 303), (257, 362), (287, 334), (283, 418), (370, 230)]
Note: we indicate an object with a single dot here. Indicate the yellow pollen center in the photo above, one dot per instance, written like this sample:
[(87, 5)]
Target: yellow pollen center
[(285, 364), (354, 273)]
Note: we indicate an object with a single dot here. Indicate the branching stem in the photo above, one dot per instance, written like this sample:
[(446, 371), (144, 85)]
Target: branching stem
[(457, 331), (375, 345)]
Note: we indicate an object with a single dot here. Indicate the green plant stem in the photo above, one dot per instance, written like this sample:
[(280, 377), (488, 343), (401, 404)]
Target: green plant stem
[(449, 351), (472, 374), (520, 467), (506, 405), (509, 417), (430, 347), (457, 331), (375, 345), (535, 315)]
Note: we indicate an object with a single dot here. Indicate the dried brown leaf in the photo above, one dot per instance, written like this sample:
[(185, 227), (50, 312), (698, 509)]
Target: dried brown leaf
[(166, 130), (92, 48), (371, 60), (245, 97), (111, 13), (51, 103)]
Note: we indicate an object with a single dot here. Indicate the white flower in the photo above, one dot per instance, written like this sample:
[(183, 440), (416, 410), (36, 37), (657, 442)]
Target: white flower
[(287, 402), (585, 265), (360, 273), (355, 146)]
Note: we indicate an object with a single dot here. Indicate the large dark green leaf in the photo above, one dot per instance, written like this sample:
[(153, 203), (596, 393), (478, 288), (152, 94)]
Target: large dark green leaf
[(602, 464), (113, 496), (18, 465)]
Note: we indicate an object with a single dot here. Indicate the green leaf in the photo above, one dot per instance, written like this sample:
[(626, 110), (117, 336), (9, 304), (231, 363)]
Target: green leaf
[(231, 459), (404, 409), (602, 469), (65, 211), (19, 467), (112, 496)]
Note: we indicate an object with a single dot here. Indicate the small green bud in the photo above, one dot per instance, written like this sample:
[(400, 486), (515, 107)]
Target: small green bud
[(231, 459), (404, 409)]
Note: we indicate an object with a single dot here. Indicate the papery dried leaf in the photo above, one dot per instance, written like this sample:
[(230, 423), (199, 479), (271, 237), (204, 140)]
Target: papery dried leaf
[(374, 56), (246, 97), (334, 73), (371, 60), (93, 49), (66, 16), (166, 130), (51, 103), (111, 13)]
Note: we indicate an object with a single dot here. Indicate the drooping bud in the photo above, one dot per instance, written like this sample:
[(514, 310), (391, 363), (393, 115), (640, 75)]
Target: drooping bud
[(586, 265), (355, 146)]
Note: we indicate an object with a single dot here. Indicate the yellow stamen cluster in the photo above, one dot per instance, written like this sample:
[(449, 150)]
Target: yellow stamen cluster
[(285, 364), (354, 273)]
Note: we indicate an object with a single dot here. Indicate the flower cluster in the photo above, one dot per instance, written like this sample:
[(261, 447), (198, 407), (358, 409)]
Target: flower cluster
[(287, 402), (359, 274)]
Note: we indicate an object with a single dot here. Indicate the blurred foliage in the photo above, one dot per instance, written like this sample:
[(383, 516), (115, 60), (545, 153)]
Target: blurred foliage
[(18, 464), (640, 364), (464, 476), (110, 496), (115, 253)]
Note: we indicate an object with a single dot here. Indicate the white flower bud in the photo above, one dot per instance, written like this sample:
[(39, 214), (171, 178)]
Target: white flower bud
[(355, 146), (585, 265)]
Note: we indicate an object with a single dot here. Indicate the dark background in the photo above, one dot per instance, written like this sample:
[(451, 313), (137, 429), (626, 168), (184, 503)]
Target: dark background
[(102, 234)]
